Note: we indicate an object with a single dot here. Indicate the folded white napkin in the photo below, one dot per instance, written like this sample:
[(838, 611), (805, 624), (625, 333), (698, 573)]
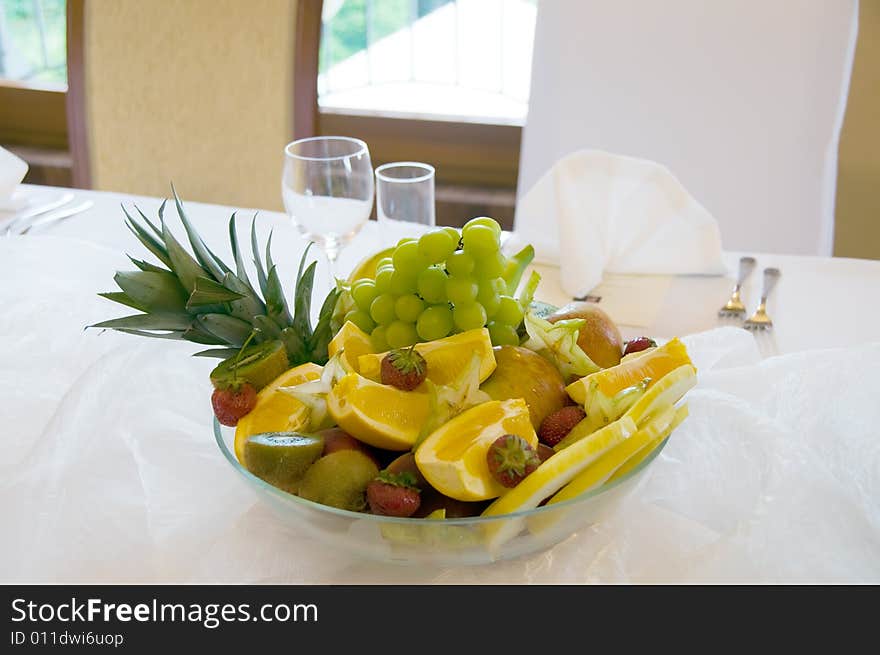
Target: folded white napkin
[(595, 212), (12, 172)]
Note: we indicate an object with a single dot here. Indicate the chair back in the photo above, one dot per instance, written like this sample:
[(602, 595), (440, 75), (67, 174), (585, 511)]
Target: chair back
[(201, 94), (743, 100)]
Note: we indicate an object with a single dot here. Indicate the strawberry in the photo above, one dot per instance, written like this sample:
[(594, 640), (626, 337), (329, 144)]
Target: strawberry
[(545, 452), (558, 424), (393, 494), (511, 459), (231, 403), (638, 345), (403, 368)]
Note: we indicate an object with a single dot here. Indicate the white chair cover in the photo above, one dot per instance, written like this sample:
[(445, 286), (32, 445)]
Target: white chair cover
[(743, 100)]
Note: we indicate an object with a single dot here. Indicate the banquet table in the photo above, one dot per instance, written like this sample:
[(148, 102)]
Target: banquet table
[(110, 472)]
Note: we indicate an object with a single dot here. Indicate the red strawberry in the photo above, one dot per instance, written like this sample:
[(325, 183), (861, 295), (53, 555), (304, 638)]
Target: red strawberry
[(511, 459), (231, 403), (558, 424), (638, 345), (393, 494), (545, 452), (403, 368)]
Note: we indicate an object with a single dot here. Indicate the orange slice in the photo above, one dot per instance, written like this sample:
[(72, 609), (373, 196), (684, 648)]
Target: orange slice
[(354, 341), (446, 358), (654, 365), (378, 414), (453, 457), (275, 410)]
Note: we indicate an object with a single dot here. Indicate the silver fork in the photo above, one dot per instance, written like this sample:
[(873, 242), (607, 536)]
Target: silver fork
[(759, 320), (734, 307)]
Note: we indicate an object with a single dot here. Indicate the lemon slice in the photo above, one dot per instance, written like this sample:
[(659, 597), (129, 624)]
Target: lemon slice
[(378, 414), (613, 464), (680, 415), (653, 365), (664, 393), (597, 473), (453, 457), (446, 358), (553, 474), (276, 411), (353, 341)]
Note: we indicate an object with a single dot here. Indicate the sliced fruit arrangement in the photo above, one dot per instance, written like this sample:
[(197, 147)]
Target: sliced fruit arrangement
[(608, 394), (432, 385), (444, 358), (453, 458)]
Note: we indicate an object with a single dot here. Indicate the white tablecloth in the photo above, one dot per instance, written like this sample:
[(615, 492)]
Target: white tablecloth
[(170, 510)]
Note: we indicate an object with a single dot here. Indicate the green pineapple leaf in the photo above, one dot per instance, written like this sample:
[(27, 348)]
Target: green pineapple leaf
[(156, 291), (203, 254), (240, 270), (147, 266), (208, 292), (323, 330), (231, 330), (154, 321), (276, 303), (156, 231), (255, 251), (266, 327), (184, 266), (122, 298), (149, 241), (219, 353)]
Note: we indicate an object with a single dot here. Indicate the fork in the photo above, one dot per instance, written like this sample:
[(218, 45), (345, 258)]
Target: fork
[(734, 306), (759, 320)]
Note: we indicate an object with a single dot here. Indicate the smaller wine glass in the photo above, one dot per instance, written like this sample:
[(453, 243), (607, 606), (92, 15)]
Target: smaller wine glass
[(327, 186), (404, 199)]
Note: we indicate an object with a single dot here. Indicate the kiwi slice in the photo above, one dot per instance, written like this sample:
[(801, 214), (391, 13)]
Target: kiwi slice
[(339, 479), (258, 364), (282, 458)]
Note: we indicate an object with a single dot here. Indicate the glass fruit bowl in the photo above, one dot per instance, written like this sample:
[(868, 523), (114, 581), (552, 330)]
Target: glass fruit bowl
[(439, 542)]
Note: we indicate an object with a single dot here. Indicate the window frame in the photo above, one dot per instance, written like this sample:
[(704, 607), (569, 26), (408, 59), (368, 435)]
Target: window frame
[(480, 158)]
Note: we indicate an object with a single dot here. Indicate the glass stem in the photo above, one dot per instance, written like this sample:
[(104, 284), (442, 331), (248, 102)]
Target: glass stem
[(331, 249)]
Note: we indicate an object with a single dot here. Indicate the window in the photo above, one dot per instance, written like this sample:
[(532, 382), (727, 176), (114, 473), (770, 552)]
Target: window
[(33, 42), (441, 81), (455, 60), (33, 85)]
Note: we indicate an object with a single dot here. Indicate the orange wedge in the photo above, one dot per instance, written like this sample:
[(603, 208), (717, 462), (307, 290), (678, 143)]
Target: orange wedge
[(275, 410), (378, 414), (653, 365), (446, 358), (354, 341), (453, 457)]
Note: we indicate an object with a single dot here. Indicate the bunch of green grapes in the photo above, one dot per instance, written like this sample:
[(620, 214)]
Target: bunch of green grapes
[(437, 285)]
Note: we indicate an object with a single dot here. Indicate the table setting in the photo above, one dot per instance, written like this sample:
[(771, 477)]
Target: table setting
[(765, 467)]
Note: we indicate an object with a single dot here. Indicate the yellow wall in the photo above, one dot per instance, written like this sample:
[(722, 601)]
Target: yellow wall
[(195, 91), (857, 220)]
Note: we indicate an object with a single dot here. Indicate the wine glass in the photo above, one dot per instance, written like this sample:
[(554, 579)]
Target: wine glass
[(327, 185)]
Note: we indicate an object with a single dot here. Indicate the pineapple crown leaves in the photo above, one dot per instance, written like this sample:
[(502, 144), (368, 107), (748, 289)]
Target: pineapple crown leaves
[(195, 296)]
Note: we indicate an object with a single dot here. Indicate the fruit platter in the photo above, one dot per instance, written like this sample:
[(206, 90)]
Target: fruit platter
[(430, 408)]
